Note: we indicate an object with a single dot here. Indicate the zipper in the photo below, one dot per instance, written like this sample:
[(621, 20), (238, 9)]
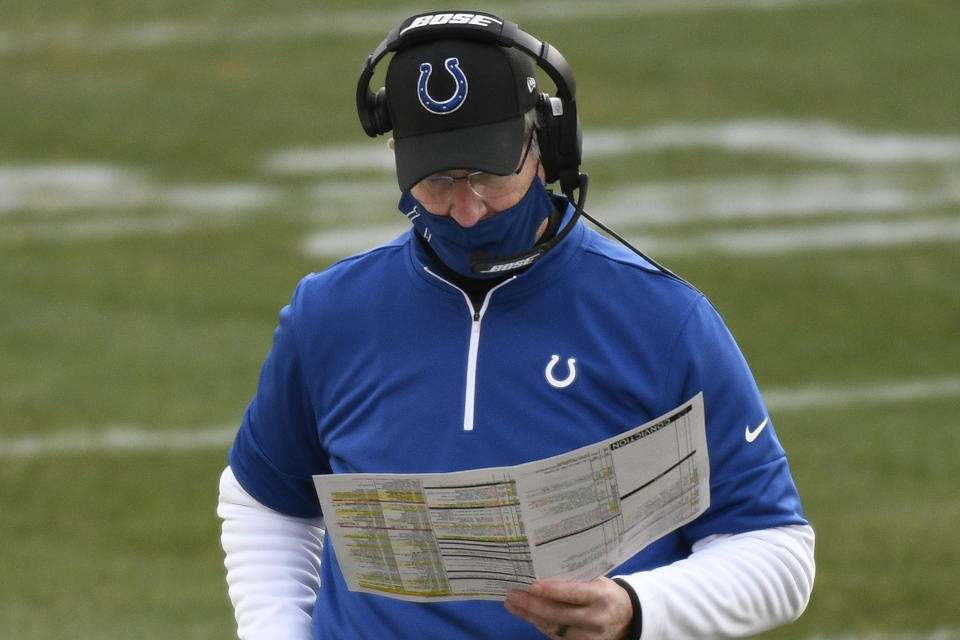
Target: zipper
[(470, 391)]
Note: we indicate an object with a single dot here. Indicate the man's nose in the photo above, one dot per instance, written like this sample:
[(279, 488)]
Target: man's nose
[(466, 207)]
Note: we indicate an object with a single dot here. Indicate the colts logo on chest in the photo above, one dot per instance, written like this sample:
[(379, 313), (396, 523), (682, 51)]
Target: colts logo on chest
[(551, 375)]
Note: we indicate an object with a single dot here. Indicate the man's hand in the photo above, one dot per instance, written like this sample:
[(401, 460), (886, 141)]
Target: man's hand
[(573, 610)]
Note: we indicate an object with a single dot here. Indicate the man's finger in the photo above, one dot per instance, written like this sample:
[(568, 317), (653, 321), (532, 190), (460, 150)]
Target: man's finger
[(568, 591), (546, 614)]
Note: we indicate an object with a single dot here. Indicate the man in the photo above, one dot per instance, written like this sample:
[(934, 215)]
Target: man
[(497, 331)]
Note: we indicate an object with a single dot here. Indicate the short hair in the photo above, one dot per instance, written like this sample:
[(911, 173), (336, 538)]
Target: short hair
[(531, 123)]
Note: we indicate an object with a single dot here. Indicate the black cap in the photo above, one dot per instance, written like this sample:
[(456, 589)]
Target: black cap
[(458, 104)]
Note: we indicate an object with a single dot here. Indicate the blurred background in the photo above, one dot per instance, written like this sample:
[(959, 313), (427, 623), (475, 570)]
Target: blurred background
[(169, 169)]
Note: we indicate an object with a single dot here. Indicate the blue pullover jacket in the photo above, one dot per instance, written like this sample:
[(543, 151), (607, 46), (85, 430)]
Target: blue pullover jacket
[(380, 365)]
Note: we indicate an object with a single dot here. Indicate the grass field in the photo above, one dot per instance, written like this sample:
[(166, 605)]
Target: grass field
[(169, 170)]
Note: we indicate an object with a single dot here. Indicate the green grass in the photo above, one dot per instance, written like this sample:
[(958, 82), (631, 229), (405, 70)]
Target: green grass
[(167, 330), (880, 488), (836, 317), (112, 547)]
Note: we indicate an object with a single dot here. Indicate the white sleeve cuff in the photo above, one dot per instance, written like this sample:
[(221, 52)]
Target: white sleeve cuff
[(731, 586), (273, 565)]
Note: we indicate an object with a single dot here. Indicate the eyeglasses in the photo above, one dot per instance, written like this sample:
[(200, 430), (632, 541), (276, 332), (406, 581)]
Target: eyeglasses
[(438, 189)]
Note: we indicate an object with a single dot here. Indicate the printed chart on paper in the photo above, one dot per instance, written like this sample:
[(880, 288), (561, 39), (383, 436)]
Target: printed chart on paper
[(477, 534)]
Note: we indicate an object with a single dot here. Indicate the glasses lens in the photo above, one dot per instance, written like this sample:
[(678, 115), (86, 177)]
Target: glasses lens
[(435, 189), (488, 185), (438, 190)]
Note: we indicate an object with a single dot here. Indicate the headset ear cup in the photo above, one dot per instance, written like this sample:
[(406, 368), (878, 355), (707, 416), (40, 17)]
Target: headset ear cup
[(561, 141), (547, 138), (379, 113), (371, 109), (573, 139)]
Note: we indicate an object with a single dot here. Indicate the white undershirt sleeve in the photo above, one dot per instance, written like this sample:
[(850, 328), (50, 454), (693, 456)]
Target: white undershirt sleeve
[(731, 586), (273, 565)]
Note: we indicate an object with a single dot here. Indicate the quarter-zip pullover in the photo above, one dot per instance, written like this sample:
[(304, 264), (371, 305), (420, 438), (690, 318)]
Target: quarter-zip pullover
[(379, 366)]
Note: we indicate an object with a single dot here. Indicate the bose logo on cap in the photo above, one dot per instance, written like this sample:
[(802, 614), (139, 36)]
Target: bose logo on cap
[(432, 19)]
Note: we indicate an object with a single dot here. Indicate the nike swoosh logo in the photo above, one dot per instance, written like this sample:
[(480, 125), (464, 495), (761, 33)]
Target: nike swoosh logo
[(752, 435)]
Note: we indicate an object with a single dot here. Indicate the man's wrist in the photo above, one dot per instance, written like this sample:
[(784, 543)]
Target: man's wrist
[(636, 623)]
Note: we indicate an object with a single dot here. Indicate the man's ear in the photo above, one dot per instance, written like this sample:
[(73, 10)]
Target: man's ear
[(390, 143)]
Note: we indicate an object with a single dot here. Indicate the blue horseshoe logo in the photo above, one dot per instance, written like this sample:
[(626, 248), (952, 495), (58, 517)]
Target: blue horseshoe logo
[(452, 103)]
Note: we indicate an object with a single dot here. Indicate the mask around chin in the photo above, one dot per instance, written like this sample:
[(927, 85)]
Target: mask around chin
[(511, 231)]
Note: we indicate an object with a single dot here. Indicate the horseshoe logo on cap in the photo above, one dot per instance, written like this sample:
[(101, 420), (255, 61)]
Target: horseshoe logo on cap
[(452, 103)]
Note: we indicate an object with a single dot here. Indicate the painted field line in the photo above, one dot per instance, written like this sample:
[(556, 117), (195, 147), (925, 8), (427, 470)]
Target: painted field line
[(944, 633), (808, 140), (69, 187), (339, 22), (346, 241), (830, 236), (833, 236), (768, 197), (56, 187), (821, 397), (815, 140), (139, 439), (117, 439)]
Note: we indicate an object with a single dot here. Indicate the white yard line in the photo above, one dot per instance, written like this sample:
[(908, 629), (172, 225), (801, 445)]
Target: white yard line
[(61, 186), (812, 140), (339, 22), (831, 236), (116, 439), (774, 197), (819, 397), (936, 634), (808, 140), (351, 240), (881, 173), (360, 156), (138, 439), (71, 187)]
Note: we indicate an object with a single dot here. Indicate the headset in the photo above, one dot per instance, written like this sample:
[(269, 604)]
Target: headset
[(559, 134)]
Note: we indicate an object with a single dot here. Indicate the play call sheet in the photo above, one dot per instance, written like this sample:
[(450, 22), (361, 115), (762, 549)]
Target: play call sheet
[(477, 534)]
